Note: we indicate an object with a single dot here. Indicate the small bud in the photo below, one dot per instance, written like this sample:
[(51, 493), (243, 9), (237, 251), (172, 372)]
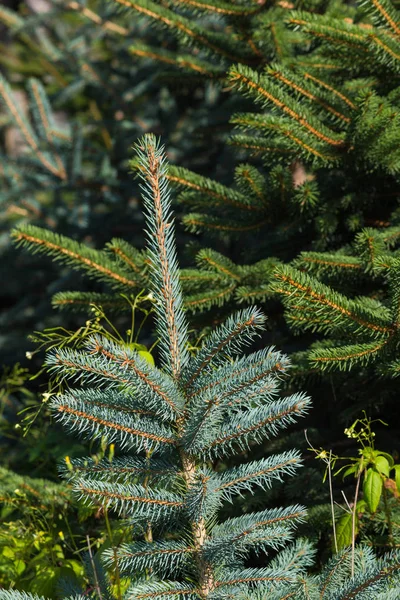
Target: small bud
[(323, 454), (29, 355), (111, 452)]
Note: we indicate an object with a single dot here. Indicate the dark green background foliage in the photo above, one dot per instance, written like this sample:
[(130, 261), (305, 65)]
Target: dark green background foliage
[(281, 125)]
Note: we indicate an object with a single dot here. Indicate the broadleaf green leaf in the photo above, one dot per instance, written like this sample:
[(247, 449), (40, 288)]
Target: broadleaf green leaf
[(382, 465), (388, 456), (344, 530), (397, 476), (372, 489), (147, 356), (351, 469)]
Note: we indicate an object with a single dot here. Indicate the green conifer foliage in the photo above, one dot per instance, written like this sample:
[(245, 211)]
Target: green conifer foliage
[(124, 270), (72, 98), (324, 83), (311, 96), (362, 330), (175, 422)]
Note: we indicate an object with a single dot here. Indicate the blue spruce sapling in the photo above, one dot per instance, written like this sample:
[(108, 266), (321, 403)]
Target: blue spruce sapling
[(175, 423)]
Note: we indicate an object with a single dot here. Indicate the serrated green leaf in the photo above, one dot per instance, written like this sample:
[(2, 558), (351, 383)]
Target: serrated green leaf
[(372, 489)]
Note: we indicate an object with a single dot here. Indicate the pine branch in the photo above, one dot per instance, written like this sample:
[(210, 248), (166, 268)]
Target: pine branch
[(129, 257), (258, 473), (86, 417), (154, 471), (221, 8), (120, 368), (384, 13), (330, 30), (205, 300), (279, 136), (166, 590), (165, 558), (42, 111), (296, 84), (207, 188), (106, 25), (135, 500), (190, 33), (196, 222), (345, 357), (255, 425)]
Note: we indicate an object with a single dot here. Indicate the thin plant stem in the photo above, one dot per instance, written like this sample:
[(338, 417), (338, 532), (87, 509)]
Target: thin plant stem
[(96, 581), (117, 574), (118, 338), (388, 516), (148, 536), (70, 532), (133, 308), (353, 526), (332, 502), (347, 503), (328, 462)]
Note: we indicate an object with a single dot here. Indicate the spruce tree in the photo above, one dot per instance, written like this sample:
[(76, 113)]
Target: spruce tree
[(176, 421), (314, 99)]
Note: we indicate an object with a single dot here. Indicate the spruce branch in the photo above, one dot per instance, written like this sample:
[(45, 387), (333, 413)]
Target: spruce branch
[(76, 255), (171, 321), (216, 44), (267, 93), (32, 141), (97, 19), (222, 8), (185, 62), (385, 14)]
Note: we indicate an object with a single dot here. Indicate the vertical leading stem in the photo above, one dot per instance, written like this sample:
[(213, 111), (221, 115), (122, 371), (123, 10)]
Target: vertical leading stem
[(206, 578)]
